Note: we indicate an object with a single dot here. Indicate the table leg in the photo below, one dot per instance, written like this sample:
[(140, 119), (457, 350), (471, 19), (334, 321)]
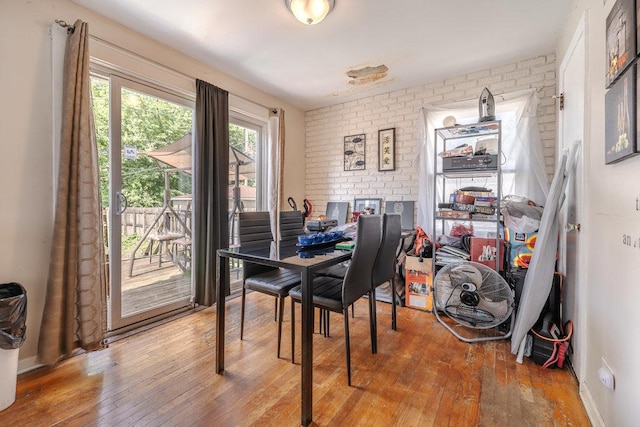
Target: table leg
[(222, 265), (307, 347)]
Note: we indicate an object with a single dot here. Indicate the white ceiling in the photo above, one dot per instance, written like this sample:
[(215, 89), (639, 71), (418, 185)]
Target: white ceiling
[(420, 41)]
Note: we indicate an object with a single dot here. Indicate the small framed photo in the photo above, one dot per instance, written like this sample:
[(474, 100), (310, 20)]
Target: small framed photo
[(387, 149), (620, 38), (620, 118), (354, 152), (367, 206)]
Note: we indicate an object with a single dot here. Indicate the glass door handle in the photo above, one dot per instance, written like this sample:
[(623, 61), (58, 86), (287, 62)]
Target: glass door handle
[(121, 203)]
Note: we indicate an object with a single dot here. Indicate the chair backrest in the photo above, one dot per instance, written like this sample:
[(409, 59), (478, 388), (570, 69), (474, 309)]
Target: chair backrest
[(291, 224), (254, 229), (357, 280), (384, 266)]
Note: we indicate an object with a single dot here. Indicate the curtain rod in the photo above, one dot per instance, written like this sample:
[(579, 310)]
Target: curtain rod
[(71, 29)]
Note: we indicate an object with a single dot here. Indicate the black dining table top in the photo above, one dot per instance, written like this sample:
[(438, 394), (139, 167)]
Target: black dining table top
[(287, 255)]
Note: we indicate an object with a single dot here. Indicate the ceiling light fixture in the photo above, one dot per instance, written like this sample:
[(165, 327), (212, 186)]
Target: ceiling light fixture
[(310, 12)]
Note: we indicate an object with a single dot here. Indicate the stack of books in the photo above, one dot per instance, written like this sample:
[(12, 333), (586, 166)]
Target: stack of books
[(449, 254)]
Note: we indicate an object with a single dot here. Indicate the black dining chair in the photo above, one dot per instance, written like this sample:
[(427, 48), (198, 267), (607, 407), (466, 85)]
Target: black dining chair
[(384, 268), (333, 294), (254, 229)]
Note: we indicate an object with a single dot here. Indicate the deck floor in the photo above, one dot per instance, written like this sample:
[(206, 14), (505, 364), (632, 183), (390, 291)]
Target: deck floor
[(152, 285)]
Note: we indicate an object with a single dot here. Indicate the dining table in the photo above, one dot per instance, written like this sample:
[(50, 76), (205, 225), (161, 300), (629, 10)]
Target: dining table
[(307, 261)]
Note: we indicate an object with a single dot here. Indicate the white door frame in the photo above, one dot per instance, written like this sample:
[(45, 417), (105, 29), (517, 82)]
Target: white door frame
[(579, 41)]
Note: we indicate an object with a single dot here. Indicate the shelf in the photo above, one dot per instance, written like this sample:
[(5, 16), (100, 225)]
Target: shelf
[(449, 171), (470, 131), (487, 173), (444, 218)]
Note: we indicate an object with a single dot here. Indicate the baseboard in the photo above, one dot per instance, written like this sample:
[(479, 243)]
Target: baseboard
[(28, 364), (591, 408)]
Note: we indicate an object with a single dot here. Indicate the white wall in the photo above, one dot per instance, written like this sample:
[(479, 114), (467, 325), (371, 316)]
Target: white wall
[(26, 135), (327, 127), (612, 271)]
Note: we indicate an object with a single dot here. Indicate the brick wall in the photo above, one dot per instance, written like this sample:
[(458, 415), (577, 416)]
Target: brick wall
[(326, 128)]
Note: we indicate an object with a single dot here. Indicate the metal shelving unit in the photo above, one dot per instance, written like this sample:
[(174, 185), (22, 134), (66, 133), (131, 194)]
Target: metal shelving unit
[(465, 172), (451, 137)]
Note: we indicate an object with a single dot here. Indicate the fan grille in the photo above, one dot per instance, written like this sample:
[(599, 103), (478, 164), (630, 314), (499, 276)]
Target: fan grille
[(473, 295)]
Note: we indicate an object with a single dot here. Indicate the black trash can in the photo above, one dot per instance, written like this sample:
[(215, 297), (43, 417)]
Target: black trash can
[(13, 318)]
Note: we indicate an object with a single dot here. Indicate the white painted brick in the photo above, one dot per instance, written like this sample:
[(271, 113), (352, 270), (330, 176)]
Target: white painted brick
[(532, 80), (455, 80), (466, 85), (518, 74), (478, 75), (490, 80), (533, 62), (443, 90), (544, 68), (326, 128), (504, 69)]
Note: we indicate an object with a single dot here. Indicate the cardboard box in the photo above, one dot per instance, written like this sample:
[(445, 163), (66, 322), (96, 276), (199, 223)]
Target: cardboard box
[(483, 251), (418, 282)]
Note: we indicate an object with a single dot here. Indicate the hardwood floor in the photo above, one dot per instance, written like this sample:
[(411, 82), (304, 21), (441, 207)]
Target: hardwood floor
[(421, 376)]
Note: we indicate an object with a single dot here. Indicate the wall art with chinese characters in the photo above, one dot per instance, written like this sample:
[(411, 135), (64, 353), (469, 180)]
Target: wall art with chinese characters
[(387, 149)]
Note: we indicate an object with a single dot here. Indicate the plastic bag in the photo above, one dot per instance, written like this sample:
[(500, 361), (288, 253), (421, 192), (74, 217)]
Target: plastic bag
[(13, 315), (521, 215)]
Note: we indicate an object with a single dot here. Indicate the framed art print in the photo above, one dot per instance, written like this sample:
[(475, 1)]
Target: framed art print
[(354, 152), (620, 118), (387, 149), (370, 206), (620, 38)]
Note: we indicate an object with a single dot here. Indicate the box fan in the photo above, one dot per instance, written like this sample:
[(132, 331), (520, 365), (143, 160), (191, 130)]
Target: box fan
[(475, 296)]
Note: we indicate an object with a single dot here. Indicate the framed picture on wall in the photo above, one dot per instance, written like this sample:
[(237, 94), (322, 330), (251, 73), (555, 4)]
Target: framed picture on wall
[(387, 149), (370, 206), (620, 38), (620, 118), (354, 152)]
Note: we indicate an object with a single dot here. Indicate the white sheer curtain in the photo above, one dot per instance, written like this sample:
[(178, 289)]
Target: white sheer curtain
[(275, 164), (522, 151)]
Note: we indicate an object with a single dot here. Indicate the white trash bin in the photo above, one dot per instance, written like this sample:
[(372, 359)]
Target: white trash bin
[(13, 317), (8, 377)]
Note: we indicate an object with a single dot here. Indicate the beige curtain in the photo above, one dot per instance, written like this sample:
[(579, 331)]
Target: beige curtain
[(276, 168), (75, 311)]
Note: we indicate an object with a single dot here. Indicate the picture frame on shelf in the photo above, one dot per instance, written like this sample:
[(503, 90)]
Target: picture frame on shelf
[(621, 47), (370, 206), (355, 152), (621, 118), (387, 149), (338, 211)]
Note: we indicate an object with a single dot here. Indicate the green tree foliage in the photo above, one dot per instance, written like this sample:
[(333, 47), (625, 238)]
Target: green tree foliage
[(148, 123)]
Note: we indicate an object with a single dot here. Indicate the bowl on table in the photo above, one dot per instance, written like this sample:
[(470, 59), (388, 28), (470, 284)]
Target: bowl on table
[(307, 239)]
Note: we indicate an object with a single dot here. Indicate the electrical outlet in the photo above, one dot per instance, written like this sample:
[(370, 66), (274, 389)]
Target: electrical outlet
[(605, 375)]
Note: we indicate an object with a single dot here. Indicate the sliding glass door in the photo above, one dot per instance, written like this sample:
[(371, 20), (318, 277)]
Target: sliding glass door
[(145, 141)]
